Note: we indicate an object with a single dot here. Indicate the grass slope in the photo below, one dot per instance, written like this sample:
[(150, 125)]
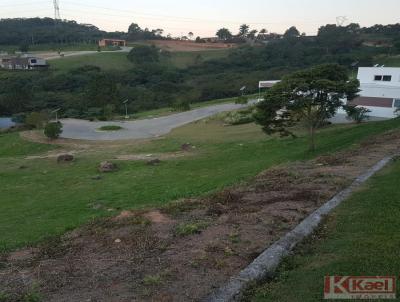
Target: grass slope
[(105, 60), (47, 199), (361, 238), (11, 145), (119, 60)]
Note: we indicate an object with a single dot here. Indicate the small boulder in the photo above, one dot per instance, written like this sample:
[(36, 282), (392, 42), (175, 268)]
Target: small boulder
[(107, 166), (187, 147), (64, 158), (154, 162)]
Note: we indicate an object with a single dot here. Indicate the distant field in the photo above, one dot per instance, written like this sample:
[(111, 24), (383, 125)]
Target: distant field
[(184, 59), (119, 60), (106, 61), (52, 47), (390, 61)]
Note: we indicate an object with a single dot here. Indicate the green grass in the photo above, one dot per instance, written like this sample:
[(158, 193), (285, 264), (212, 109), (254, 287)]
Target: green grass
[(11, 145), (184, 59), (388, 61), (51, 47), (361, 238), (169, 110), (110, 128), (119, 60), (46, 199), (106, 61)]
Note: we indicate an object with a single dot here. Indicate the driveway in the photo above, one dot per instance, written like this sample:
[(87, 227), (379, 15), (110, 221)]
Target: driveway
[(85, 130)]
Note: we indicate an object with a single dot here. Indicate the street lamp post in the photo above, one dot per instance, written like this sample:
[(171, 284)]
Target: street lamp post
[(126, 109), (56, 112)]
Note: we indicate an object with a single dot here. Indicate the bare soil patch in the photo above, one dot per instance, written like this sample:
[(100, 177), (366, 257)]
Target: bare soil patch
[(161, 156), (185, 250), (189, 45)]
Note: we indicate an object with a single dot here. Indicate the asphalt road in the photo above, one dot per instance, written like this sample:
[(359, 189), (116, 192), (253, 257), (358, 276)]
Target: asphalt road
[(85, 130)]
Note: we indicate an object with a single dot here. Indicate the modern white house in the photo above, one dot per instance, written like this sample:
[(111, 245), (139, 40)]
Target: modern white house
[(380, 90)]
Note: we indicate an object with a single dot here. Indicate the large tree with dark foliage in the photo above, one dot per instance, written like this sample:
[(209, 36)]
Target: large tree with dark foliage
[(309, 97)]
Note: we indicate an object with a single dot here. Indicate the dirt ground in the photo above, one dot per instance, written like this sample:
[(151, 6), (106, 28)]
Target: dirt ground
[(189, 45), (184, 251)]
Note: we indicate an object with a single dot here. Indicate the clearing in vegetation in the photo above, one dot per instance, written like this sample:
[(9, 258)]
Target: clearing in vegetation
[(182, 249), (50, 210), (360, 238), (186, 248)]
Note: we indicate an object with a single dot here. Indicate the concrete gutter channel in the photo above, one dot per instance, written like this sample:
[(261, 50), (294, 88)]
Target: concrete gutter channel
[(266, 264)]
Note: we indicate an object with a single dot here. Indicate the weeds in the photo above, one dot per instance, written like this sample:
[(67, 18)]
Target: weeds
[(186, 229)]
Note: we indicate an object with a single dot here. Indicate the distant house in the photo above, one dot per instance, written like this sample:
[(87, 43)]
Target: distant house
[(112, 42), (380, 90), (22, 63)]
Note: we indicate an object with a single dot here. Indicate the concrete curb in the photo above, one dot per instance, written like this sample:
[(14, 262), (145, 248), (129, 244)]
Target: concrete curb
[(268, 261)]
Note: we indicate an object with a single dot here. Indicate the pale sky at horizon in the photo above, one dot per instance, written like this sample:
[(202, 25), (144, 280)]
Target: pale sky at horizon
[(205, 17)]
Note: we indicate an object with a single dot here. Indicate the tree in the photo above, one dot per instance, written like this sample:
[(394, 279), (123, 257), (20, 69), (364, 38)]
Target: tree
[(357, 114), (262, 33), (36, 119), (309, 97), (244, 30), (252, 34), (144, 54), (397, 44), (292, 32), (224, 34), (134, 32), (53, 130), (190, 35)]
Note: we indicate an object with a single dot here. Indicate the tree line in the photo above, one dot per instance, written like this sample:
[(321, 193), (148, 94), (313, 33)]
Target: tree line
[(151, 83)]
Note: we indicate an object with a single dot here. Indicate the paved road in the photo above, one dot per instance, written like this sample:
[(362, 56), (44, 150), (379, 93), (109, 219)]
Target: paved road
[(82, 129)]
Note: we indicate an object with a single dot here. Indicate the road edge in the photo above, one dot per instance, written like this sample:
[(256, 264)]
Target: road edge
[(266, 264)]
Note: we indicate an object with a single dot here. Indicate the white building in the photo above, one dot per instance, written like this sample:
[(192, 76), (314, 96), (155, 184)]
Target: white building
[(380, 90)]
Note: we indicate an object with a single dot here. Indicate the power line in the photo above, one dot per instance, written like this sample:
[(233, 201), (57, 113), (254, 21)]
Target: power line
[(56, 10)]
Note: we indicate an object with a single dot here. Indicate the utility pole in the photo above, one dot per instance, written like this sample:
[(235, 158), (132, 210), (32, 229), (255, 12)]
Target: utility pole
[(126, 108), (56, 10)]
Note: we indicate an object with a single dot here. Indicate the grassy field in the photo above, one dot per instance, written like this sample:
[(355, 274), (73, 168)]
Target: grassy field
[(46, 198), (119, 61), (106, 61), (184, 59), (169, 110), (389, 61), (52, 47), (361, 238)]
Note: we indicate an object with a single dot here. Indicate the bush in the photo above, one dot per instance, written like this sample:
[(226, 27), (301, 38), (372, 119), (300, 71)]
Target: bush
[(242, 100), (53, 130), (240, 117), (181, 105), (357, 114), (36, 119), (110, 128)]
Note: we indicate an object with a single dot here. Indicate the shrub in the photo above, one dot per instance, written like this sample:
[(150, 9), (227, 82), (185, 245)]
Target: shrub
[(110, 128), (240, 117), (186, 229), (36, 119), (53, 130), (241, 100), (357, 114), (181, 105)]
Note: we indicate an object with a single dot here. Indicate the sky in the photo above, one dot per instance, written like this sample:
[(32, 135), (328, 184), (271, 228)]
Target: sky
[(204, 17)]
